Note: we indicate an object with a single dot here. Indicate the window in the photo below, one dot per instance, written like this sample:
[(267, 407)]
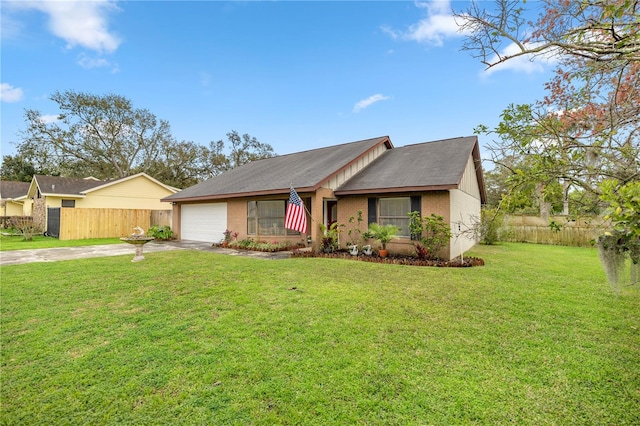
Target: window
[(267, 218), (68, 203), (395, 211)]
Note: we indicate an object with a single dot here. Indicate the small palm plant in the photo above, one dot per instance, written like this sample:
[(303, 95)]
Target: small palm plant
[(382, 233)]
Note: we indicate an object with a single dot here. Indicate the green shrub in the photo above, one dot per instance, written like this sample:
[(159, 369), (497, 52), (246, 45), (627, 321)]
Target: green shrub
[(250, 244), (432, 232), (160, 232), (331, 236), (491, 220)]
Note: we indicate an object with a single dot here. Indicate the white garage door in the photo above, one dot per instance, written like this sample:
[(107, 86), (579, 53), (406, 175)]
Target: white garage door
[(203, 222)]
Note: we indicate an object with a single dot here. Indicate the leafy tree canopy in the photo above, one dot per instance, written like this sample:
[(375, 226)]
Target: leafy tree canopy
[(586, 129), (106, 137), (17, 168)]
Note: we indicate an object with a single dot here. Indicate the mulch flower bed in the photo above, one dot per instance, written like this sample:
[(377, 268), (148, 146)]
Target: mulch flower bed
[(395, 259), (265, 248)]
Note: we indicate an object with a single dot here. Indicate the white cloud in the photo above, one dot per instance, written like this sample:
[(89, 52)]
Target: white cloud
[(438, 25), (365, 103), (9, 94), (11, 27), (87, 62), (524, 63), (49, 118), (79, 23)]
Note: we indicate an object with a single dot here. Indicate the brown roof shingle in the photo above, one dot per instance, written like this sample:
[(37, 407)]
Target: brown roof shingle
[(65, 185), (424, 166), (437, 165), (304, 170), (13, 189)]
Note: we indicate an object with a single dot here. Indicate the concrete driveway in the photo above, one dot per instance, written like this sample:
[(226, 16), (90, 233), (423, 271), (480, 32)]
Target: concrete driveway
[(16, 257)]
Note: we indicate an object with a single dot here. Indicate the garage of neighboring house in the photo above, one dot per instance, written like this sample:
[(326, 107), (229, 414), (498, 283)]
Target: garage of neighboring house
[(203, 222)]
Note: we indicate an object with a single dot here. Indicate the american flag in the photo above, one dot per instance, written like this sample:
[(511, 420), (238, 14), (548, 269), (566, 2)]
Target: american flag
[(295, 217)]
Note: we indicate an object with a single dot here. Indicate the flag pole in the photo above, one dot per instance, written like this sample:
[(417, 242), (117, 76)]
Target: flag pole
[(304, 205)]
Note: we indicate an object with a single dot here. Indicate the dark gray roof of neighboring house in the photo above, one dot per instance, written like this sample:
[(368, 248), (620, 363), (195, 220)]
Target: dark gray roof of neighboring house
[(65, 185), (425, 166), (306, 171), (13, 189)]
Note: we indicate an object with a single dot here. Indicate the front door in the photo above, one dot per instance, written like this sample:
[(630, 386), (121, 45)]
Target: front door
[(331, 212)]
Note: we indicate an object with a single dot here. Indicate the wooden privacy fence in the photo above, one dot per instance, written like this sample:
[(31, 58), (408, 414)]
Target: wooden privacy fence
[(161, 217), (533, 229), (80, 224)]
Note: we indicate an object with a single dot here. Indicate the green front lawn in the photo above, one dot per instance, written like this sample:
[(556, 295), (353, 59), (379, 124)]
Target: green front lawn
[(39, 241), (186, 337)]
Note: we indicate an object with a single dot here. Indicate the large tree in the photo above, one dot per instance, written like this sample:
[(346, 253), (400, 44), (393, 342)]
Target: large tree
[(597, 31), (18, 168), (586, 129), (102, 134), (106, 137), (585, 133), (242, 150)]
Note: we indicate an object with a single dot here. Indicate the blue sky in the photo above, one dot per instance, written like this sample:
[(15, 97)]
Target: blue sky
[(297, 75)]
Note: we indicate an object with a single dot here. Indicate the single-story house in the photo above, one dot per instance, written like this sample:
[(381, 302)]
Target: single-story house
[(139, 191), (12, 198), (335, 183)]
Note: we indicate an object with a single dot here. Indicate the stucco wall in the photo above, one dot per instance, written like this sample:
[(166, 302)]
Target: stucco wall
[(55, 201), (136, 193), (27, 207), (9, 208)]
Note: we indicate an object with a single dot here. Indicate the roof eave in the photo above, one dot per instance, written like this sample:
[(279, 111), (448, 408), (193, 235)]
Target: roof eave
[(396, 189), (60, 195), (127, 178), (477, 162), (280, 191)]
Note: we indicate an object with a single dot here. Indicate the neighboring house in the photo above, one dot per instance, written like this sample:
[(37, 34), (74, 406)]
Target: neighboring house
[(384, 183), (139, 191), (12, 198)]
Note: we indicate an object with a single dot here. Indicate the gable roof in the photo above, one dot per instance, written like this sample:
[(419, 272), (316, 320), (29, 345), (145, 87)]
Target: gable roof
[(79, 187), (58, 185), (13, 189), (124, 179), (428, 166), (306, 171)]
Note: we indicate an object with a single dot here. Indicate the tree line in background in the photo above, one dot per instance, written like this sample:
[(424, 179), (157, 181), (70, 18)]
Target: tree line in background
[(104, 136), (577, 150)]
